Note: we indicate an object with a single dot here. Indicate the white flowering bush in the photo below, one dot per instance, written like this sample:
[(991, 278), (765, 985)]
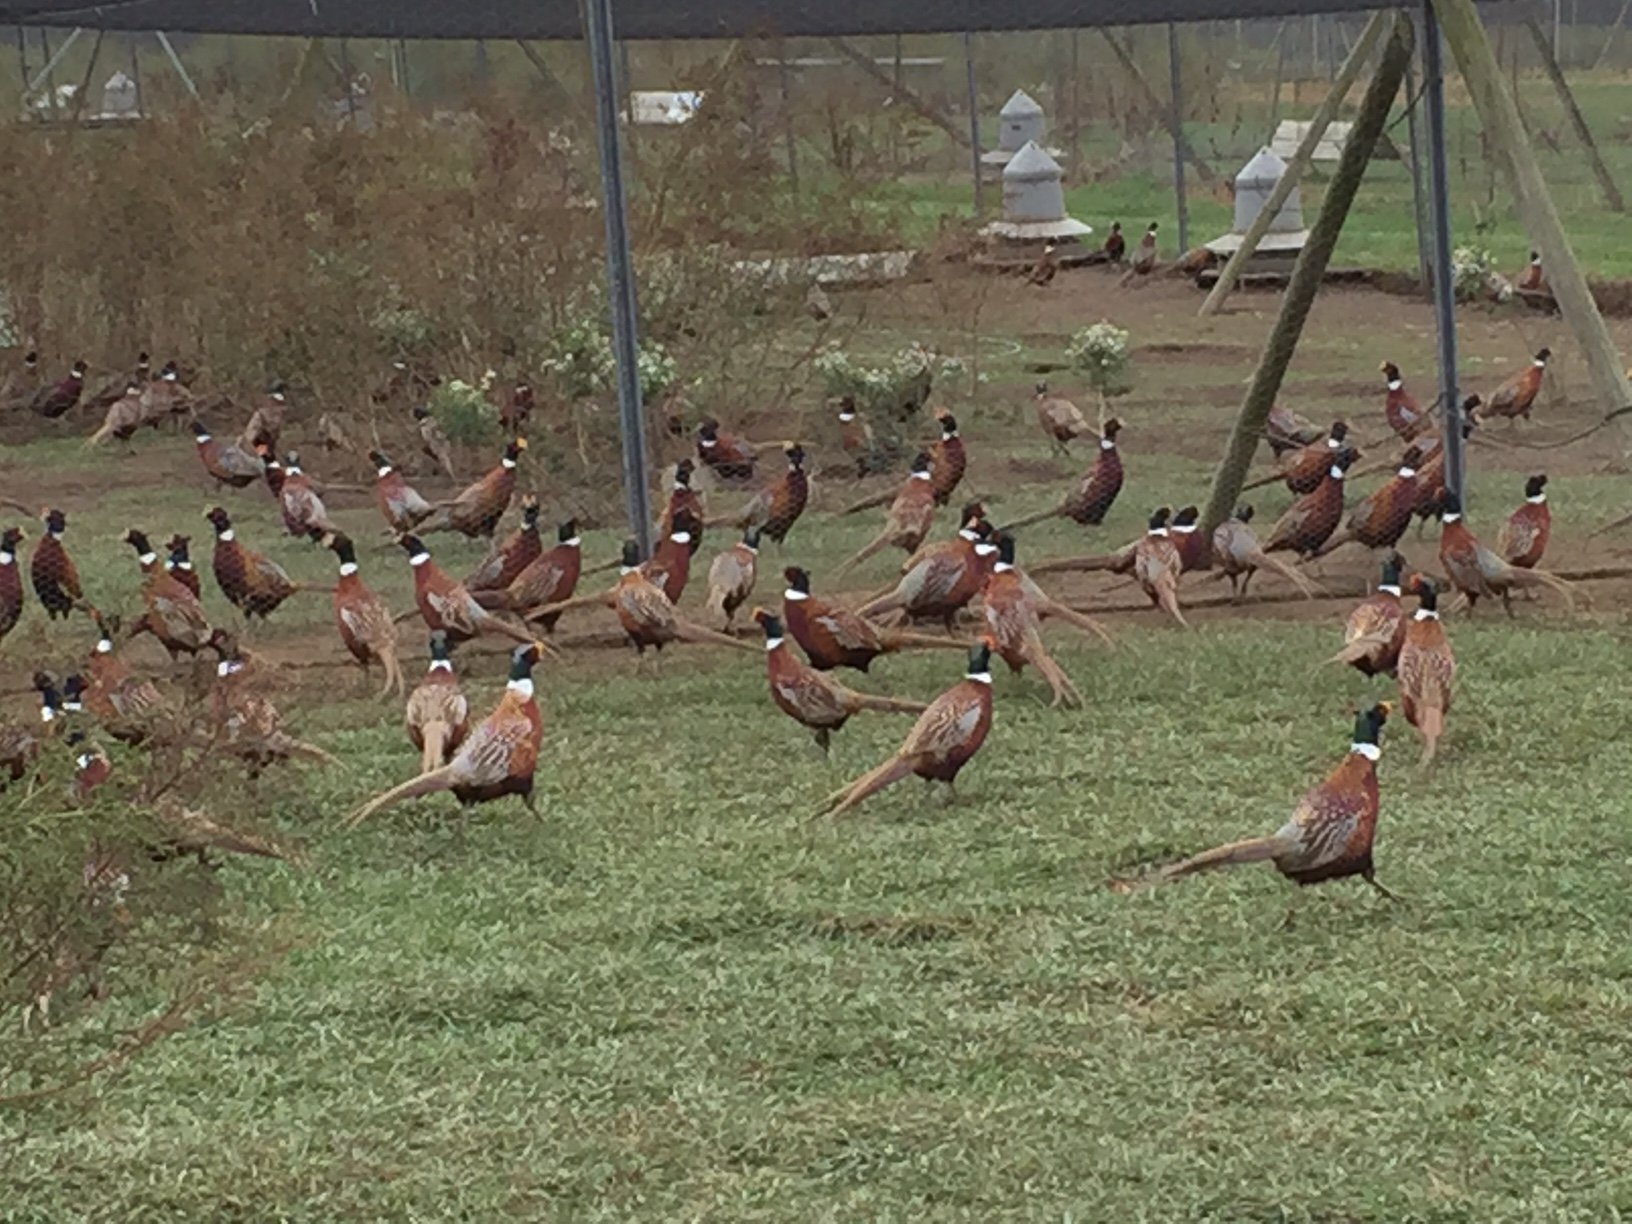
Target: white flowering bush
[(900, 385), (1471, 270), (465, 412), (1100, 351), (580, 361)]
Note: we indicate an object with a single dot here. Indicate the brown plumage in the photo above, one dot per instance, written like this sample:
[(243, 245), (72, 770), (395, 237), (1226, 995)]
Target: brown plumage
[(1517, 396), (1194, 548), (116, 697), (1304, 469), (265, 424), (174, 615), (910, 517), (1523, 539), (497, 758), (1285, 430), (941, 742), (1156, 567), (1042, 272), (1060, 420), (832, 636), (400, 504), (510, 556), (683, 497), (1426, 670), (1400, 408), (1331, 832), (1238, 556), (226, 462), (731, 578), (729, 457), (1477, 572), (11, 581), (1144, 256), (1013, 608), (777, 507), (947, 458), (178, 563), (478, 509), (1115, 245), (1532, 279), (304, 514), (122, 419), (447, 605), (1309, 522), (438, 713), (811, 698), (1375, 629), (1096, 490), (433, 442), (252, 583), (363, 620), (51, 571), (165, 397), (243, 720), (551, 578), (1381, 517), (939, 581), (58, 398)]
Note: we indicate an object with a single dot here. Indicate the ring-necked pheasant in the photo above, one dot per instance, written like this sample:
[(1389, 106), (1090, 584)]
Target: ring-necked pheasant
[(115, 696), (1532, 279), (304, 514), (1382, 517), (438, 713), (1195, 551), (244, 720), (1156, 567), (1431, 475), (683, 497), (1286, 430), (433, 441), (777, 507), (1375, 630), (513, 554), (11, 581), (57, 399), (1144, 257), (1517, 396), (174, 615), (1331, 832), (670, 563), (1042, 272), (400, 504), (265, 424), (938, 583), (226, 462), (940, 743), (911, 515), (362, 618), (947, 458), (20, 384), (1309, 522), (1304, 469), (118, 386), (1238, 556), (52, 572), (498, 757), (165, 397), (252, 583), (731, 578), (447, 605), (122, 419), (551, 578), (1400, 408), (1475, 571), (1523, 539), (1014, 628), (478, 509), (1096, 491), (178, 563), (1426, 670), (730, 458), (857, 442), (811, 698), (1060, 420), (832, 636)]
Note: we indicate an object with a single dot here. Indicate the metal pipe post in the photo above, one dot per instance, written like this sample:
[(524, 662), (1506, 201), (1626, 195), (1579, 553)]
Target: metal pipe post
[(974, 120), (1176, 123), (787, 127), (1439, 199), (620, 274)]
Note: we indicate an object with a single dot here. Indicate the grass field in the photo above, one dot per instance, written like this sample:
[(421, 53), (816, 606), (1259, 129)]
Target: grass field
[(674, 997)]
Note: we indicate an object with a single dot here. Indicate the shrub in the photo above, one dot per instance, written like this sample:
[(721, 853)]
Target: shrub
[(1100, 351)]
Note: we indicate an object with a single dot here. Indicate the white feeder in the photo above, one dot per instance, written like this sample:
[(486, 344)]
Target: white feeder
[(1253, 185), (121, 100), (1034, 200), (1019, 123)]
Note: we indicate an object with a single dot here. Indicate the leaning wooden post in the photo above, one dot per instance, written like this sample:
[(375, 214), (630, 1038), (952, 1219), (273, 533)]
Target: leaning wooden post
[(1465, 36), (1346, 77), (1307, 275), (1612, 193)]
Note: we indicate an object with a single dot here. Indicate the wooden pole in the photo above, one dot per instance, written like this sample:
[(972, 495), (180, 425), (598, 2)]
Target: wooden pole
[(1307, 275), (1203, 170), (902, 94), (1612, 194), (1181, 205), (1295, 169), (1419, 209), (1465, 36)]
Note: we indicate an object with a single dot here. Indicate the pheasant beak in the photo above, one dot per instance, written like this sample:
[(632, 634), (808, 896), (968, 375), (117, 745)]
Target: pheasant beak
[(544, 648), (1387, 707)]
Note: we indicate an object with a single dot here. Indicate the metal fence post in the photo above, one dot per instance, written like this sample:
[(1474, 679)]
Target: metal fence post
[(1176, 120), (1433, 70)]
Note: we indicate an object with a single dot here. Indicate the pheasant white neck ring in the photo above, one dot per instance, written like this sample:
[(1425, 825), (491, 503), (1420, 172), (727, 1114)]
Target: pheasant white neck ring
[(794, 595), (772, 643), (383, 472), (227, 535), (419, 559), (1106, 444), (103, 646), (522, 688), (681, 537), (1387, 589), (1394, 384), (7, 558), (984, 677), (441, 665), (348, 568), (1451, 518), (147, 558), (1426, 614), (1538, 500), (1370, 751), (1336, 472), (920, 475), (507, 462), (1406, 473), (1002, 567)]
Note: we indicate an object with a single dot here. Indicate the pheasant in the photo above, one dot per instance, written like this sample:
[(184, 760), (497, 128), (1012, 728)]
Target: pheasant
[(304, 514), (11, 581), (1375, 630), (1043, 271), (1096, 491), (165, 397), (51, 571), (1195, 551), (727, 456), (947, 459), (1517, 396), (1404, 416), (670, 563), (1309, 522), (1426, 671), (1014, 629), (940, 743), (1431, 475), (1239, 556), (1382, 517), (254, 584), (57, 399), (1144, 256), (1523, 538), (1285, 430), (910, 517), (362, 618), (683, 497), (21, 383), (265, 424), (939, 582), (447, 605), (517, 407), (856, 438), (1156, 567), (400, 505), (832, 636), (477, 510), (1330, 834), (817, 304), (497, 758), (226, 462), (122, 419), (1060, 420), (551, 578), (777, 507), (244, 722), (1116, 246), (515, 553), (809, 697), (438, 713), (122, 702), (174, 615), (1475, 571), (731, 578), (433, 442), (1532, 279), (178, 563), (1304, 469)]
